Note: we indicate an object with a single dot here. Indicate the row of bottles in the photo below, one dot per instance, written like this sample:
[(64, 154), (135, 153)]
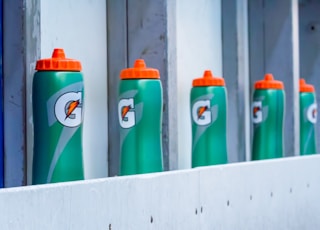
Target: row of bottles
[(208, 112), (58, 108), (268, 110)]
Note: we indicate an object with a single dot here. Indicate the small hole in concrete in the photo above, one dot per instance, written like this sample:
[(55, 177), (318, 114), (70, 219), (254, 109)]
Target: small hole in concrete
[(196, 211), (290, 190), (151, 220), (271, 194), (308, 185), (110, 227), (228, 203), (201, 209), (312, 28), (250, 197)]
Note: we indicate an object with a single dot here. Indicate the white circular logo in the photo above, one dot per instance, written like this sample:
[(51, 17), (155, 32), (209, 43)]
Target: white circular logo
[(126, 113), (312, 113), (68, 109), (257, 112), (201, 112)]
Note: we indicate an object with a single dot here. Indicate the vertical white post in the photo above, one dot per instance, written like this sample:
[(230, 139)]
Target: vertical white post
[(296, 75), (199, 47), (33, 51), (243, 72), (80, 27)]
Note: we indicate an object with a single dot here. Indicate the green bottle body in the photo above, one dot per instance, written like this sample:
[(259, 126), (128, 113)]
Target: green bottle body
[(209, 125), (308, 120), (57, 99), (140, 106), (268, 123)]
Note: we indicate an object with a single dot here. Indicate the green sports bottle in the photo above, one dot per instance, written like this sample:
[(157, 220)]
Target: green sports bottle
[(140, 106), (208, 101), (268, 118), (57, 99), (308, 119)]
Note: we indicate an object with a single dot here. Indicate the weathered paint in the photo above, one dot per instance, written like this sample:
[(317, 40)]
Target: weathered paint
[(151, 36), (33, 53), (144, 29), (14, 78)]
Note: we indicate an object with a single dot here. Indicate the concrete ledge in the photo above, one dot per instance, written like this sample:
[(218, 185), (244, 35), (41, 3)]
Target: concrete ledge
[(272, 194)]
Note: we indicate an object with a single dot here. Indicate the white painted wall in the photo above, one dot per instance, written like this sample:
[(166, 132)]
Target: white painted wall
[(199, 47), (79, 26), (270, 194)]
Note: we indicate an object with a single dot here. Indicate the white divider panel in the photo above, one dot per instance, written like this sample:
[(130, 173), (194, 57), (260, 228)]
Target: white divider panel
[(273, 194), (198, 47), (80, 28)]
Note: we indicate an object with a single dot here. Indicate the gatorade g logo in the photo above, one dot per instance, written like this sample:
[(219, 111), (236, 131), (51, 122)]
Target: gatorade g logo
[(257, 112), (68, 109), (126, 113), (312, 113), (201, 112)]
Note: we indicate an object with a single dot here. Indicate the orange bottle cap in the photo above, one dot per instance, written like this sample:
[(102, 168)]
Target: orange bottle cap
[(139, 71), (304, 87), (208, 80), (268, 83), (58, 62)]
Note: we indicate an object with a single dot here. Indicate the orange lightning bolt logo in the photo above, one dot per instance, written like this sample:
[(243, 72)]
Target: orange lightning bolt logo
[(201, 110), (314, 113), (124, 111), (255, 110), (72, 106)]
